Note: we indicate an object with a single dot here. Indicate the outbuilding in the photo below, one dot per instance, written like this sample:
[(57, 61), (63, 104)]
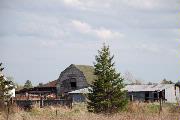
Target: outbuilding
[(79, 95), (167, 92)]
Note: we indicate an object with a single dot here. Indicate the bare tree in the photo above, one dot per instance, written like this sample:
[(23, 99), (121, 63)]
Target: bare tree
[(137, 82), (130, 79)]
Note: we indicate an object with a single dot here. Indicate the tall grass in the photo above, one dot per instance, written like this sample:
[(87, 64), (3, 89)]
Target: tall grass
[(134, 111)]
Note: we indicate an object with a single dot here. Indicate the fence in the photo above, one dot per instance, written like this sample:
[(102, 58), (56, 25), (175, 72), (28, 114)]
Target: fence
[(28, 104)]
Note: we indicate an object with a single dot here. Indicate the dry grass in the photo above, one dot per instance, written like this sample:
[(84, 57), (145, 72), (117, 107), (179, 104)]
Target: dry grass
[(134, 111)]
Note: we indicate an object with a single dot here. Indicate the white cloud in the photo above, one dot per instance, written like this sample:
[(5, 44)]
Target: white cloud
[(92, 5), (143, 4), (107, 34), (95, 5), (44, 26), (81, 26), (101, 33), (50, 43), (73, 2)]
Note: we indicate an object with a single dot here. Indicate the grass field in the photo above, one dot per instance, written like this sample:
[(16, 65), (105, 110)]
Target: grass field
[(134, 111)]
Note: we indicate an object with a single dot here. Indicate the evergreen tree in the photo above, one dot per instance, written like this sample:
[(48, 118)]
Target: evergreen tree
[(28, 84), (107, 94), (5, 87), (165, 81), (40, 84)]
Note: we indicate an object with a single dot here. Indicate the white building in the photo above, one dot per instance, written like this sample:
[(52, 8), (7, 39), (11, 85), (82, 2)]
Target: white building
[(168, 92)]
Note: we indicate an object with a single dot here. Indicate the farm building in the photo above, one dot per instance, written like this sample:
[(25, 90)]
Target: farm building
[(79, 95), (167, 92), (146, 93), (75, 77), (47, 90), (75, 80)]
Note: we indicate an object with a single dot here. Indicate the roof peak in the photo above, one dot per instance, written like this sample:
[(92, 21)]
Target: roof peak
[(82, 65), (87, 70)]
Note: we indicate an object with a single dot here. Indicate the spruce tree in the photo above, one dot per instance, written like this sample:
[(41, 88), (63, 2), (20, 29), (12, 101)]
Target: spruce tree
[(107, 94), (28, 84)]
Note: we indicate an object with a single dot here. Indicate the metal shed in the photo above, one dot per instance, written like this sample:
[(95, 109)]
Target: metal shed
[(167, 92)]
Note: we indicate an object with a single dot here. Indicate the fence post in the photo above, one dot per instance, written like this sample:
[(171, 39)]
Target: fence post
[(7, 106), (41, 102), (56, 112), (131, 98)]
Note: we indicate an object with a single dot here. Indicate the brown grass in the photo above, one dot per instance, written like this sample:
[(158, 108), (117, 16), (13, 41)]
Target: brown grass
[(134, 111)]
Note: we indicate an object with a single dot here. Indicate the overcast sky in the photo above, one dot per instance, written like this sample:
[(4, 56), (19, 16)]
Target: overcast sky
[(40, 38)]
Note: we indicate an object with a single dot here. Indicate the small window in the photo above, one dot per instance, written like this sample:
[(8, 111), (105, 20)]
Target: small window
[(73, 85)]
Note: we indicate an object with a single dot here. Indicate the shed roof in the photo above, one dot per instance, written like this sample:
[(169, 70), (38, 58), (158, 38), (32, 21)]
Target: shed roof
[(157, 87), (88, 72), (82, 91), (130, 88)]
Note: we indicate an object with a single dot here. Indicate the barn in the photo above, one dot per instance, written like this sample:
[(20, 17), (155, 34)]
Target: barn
[(75, 77)]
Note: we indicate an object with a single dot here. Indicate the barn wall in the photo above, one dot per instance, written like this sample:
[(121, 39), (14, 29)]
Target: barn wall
[(67, 75), (78, 97)]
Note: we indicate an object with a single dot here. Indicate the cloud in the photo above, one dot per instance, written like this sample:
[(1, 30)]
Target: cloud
[(73, 2), (143, 4), (96, 5), (82, 26), (90, 5), (49, 43), (107, 34), (102, 33), (52, 31)]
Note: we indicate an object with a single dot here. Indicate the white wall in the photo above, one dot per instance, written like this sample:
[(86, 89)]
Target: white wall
[(170, 94)]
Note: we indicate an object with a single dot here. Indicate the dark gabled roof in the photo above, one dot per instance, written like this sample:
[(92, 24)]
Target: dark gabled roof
[(88, 72), (50, 84)]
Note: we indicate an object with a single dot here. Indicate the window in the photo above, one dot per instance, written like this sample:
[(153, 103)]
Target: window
[(73, 83)]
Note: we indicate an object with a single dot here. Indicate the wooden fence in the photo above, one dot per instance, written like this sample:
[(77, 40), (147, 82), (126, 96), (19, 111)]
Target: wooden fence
[(28, 104)]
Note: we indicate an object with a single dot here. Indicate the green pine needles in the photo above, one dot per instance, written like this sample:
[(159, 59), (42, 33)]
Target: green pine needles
[(107, 94)]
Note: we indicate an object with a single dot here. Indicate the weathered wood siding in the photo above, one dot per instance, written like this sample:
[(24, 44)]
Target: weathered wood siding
[(78, 97), (69, 75)]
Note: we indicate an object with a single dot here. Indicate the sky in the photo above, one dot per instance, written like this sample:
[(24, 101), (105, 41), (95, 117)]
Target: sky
[(40, 38)]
